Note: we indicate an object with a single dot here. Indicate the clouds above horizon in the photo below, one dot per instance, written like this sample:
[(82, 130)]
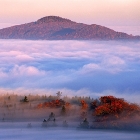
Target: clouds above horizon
[(74, 65)]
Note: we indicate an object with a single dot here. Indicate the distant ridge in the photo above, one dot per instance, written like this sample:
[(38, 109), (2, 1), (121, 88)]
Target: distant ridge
[(58, 28)]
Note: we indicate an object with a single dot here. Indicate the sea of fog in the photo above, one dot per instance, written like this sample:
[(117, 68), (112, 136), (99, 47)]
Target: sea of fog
[(79, 68)]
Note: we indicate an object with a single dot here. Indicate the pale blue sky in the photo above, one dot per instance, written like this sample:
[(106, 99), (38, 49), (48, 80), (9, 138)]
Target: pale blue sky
[(103, 12)]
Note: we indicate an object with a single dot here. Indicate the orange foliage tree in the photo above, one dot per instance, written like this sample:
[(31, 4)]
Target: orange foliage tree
[(53, 103), (84, 104), (110, 105)]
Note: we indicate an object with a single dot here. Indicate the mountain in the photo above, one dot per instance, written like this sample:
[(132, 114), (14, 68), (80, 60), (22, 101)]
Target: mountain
[(57, 28)]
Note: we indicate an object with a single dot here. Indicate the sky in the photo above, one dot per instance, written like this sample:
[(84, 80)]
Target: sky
[(103, 12), (82, 68)]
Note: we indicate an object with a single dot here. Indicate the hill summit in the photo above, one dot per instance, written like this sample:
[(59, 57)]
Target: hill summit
[(57, 28), (52, 19)]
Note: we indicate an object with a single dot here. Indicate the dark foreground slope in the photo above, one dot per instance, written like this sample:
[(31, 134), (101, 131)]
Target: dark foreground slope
[(57, 28)]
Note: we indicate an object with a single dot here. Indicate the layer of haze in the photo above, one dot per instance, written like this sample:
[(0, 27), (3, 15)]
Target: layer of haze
[(88, 68), (58, 133), (103, 12)]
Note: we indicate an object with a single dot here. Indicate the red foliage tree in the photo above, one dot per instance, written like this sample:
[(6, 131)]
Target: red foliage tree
[(84, 104), (110, 105), (53, 103)]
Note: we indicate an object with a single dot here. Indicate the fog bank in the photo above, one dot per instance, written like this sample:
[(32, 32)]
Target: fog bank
[(90, 68)]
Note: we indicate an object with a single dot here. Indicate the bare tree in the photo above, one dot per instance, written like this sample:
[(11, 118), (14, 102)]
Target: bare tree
[(59, 94)]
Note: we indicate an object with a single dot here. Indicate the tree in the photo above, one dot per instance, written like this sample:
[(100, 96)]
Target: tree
[(59, 94), (25, 99), (63, 110)]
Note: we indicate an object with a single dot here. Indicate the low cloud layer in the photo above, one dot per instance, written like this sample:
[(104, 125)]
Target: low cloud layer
[(72, 65)]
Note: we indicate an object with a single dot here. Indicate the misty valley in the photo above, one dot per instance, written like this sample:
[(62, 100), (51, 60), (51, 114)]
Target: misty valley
[(74, 117), (106, 112), (98, 83)]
